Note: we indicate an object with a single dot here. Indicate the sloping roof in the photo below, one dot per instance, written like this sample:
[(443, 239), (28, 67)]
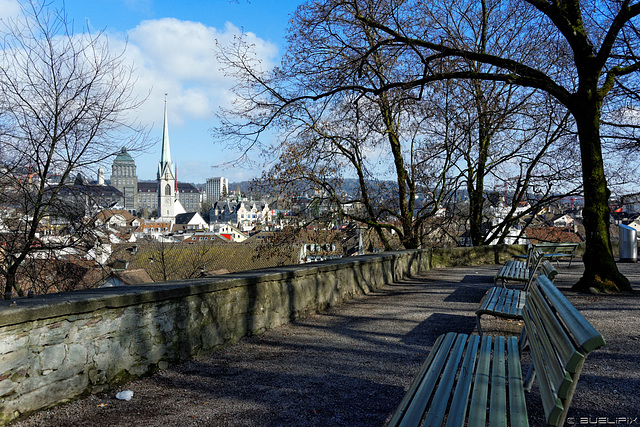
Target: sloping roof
[(138, 276), (147, 187), (106, 214), (184, 187), (185, 218), (204, 238), (552, 235)]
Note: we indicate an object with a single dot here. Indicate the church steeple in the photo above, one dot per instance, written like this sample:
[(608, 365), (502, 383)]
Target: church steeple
[(167, 184), (165, 156)]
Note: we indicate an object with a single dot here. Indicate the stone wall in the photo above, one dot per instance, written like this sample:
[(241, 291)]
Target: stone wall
[(57, 348)]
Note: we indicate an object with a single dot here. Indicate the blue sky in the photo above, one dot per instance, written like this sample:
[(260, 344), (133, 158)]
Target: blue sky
[(171, 45)]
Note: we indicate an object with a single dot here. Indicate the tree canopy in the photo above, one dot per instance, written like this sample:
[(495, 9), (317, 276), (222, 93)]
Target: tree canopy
[(66, 104), (573, 61)]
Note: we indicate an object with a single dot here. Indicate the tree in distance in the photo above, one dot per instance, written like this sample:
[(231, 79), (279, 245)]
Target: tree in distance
[(66, 105)]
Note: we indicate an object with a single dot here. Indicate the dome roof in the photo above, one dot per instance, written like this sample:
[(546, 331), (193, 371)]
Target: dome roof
[(123, 157)]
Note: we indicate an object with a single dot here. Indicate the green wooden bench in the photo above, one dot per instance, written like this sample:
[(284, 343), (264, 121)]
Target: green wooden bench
[(508, 303), (473, 380), (520, 271), (555, 251)]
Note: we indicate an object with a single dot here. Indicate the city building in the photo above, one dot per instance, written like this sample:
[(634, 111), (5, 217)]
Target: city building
[(229, 233), (167, 187), (147, 199), (190, 197), (125, 178), (217, 188), (189, 222), (244, 214)]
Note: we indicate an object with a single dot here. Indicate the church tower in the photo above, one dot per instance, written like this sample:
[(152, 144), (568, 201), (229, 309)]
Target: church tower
[(167, 185)]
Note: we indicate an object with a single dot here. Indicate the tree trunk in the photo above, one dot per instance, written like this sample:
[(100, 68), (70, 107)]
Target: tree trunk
[(601, 271), (406, 190), (476, 194), (476, 203), (11, 282)]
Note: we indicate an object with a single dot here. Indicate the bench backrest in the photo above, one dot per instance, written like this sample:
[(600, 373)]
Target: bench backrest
[(560, 338), (534, 262), (567, 248), (549, 270)]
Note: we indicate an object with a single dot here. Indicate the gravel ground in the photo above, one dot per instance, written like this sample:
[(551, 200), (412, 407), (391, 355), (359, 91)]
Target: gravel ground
[(351, 365)]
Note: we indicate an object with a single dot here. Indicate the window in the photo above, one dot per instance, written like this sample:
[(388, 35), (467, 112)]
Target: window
[(167, 191)]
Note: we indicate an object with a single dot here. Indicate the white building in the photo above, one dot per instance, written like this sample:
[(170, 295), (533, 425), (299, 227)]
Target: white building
[(168, 204), (229, 233), (216, 188), (244, 214)]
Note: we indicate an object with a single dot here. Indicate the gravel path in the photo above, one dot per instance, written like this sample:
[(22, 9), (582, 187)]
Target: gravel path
[(351, 365)]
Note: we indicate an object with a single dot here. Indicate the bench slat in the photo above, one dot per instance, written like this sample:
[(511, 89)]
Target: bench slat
[(458, 408), (418, 380), (584, 333), (478, 409), (549, 270), (550, 364), (438, 407), (493, 298), (498, 404), (501, 301), (522, 298), (425, 389), (565, 349), (517, 403), (552, 406)]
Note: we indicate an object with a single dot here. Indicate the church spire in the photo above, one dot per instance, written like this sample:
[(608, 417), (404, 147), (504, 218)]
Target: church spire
[(166, 153), (166, 176), (165, 165)]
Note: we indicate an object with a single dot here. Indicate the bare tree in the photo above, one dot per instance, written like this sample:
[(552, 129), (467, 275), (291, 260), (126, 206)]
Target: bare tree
[(66, 103), (520, 143), (582, 53), (342, 113), (356, 135), (587, 60)]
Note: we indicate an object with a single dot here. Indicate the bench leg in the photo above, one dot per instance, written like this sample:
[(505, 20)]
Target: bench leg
[(478, 322), (528, 381), (523, 341)]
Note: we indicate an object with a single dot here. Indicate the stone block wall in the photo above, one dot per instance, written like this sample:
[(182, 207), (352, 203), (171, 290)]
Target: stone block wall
[(57, 348)]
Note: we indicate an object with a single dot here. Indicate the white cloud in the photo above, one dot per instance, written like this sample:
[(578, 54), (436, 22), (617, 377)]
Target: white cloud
[(178, 58), (9, 9)]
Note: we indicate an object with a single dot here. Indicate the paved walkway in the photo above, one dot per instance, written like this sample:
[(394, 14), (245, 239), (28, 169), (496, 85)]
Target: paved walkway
[(347, 366)]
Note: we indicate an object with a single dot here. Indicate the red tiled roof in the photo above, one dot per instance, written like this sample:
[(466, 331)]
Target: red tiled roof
[(552, 235)]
